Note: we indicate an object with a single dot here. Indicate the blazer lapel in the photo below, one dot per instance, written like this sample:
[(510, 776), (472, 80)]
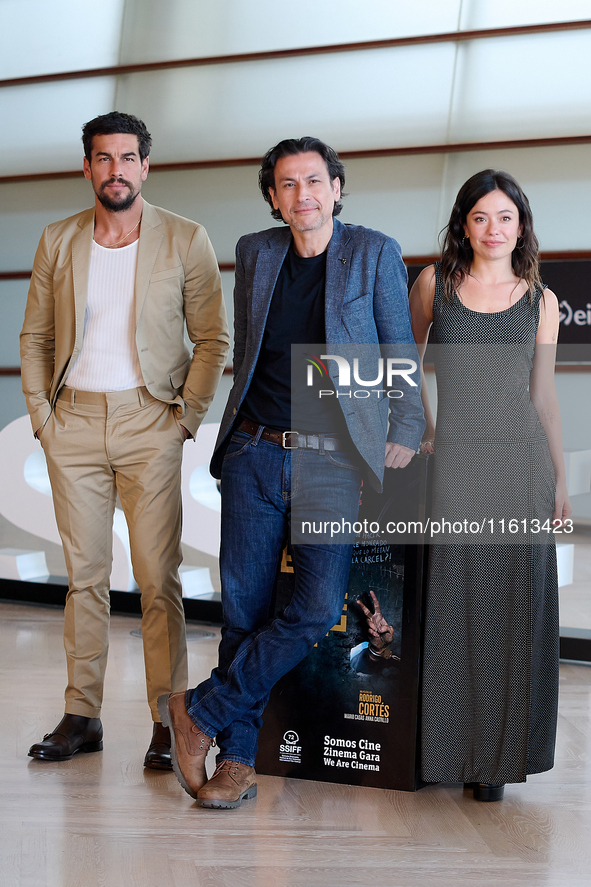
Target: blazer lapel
[(81, 249), (338, 263), (268, 265), (151, 238)]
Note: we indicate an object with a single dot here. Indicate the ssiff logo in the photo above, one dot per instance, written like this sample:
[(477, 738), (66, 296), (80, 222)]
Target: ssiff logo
[(290, 749)]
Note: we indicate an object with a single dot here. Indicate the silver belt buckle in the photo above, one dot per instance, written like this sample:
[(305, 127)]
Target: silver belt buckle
[(283, 443)]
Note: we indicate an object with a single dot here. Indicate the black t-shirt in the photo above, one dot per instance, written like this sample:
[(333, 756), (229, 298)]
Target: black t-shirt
[(296, 316)]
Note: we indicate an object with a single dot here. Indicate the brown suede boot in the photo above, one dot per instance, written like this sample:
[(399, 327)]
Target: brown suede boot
[(231, 784), (188, 744)]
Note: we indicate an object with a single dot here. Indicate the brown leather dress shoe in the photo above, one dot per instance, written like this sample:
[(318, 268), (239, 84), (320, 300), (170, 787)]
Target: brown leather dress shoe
[(158, 754), (73, 734), (188, 744), (231, 784)]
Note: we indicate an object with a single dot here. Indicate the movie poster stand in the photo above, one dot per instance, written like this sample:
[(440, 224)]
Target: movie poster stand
[(340, 715)]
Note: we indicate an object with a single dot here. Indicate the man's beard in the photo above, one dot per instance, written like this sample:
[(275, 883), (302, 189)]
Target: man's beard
[(116, 206)]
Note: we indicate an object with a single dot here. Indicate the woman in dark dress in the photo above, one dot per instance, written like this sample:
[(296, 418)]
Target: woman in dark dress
[(490, 673)]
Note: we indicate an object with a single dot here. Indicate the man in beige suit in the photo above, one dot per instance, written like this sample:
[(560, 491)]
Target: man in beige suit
[(113, 392)]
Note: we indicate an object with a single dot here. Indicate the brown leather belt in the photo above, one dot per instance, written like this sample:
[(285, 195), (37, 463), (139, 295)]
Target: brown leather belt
[(293, 440)]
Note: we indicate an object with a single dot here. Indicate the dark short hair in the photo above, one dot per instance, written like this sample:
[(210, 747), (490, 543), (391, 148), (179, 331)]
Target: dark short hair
[(290, 147), (112, 123), (457, 255)]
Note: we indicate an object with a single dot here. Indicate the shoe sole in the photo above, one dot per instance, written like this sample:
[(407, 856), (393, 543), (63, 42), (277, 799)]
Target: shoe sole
[(164, 713), (153, 766), (216, 804), (87, 748)]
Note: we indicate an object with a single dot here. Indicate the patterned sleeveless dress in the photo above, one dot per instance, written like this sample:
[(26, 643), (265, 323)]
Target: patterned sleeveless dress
[(490, 671)]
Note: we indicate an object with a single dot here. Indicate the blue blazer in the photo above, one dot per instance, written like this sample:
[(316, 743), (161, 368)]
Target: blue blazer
[(366, 302)]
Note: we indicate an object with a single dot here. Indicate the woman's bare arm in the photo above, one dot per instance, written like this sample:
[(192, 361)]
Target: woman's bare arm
[(421, 313), (542, 390)]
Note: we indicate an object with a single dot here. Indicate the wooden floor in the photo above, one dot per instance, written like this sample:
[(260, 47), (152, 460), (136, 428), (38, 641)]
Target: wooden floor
[(101, 820)]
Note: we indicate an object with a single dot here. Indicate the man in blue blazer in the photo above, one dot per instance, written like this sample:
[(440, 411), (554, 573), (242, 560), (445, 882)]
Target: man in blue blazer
[(315, 281)]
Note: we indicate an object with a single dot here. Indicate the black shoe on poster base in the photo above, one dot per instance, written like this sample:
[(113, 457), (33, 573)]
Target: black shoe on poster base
[(73, 734), (483, 791)]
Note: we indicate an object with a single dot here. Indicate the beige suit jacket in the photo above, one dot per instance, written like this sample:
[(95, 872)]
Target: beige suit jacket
[(177, 283)]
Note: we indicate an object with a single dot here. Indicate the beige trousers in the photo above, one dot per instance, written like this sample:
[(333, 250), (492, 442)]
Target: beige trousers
[(98, 445)]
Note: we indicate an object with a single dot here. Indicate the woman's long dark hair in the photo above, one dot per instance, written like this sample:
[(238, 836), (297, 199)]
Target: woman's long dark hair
[(457, 255)]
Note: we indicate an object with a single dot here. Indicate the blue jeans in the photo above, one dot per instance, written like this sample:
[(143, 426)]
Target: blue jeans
[(260, 480)]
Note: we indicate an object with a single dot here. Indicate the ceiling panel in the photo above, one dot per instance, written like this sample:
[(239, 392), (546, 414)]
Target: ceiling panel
[(523, 87), (518, 87), (506, 13), (189, 28), (352, 100), (40, 37), (41, 124)]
